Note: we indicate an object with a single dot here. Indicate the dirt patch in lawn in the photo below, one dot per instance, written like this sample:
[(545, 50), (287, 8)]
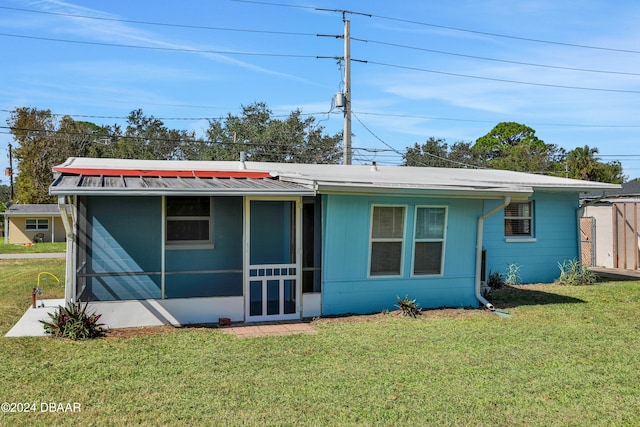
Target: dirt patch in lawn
[(444, 313), (140, 331)]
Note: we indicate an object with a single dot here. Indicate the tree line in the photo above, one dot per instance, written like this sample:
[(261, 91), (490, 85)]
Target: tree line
[(43, 140), (514, 146)]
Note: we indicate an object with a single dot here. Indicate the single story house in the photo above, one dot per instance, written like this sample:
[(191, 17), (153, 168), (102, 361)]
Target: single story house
[(610, 227), (181, 242), (33, 223)]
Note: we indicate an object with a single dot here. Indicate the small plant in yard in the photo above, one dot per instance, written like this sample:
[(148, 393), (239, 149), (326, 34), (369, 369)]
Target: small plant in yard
[(74, 322), (495, 280), (574, 273), (408, 307), (512, 275)]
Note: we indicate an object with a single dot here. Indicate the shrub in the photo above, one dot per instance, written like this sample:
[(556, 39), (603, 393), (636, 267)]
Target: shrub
[(74, 322), (408, 307), (495, 280), (574, 273)]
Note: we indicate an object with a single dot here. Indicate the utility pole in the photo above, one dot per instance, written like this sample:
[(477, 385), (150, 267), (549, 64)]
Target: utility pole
[(346, 95), (10, 171), (347, 91)]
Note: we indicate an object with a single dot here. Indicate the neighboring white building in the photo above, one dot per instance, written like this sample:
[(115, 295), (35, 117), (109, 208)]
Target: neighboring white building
[(610, 225)]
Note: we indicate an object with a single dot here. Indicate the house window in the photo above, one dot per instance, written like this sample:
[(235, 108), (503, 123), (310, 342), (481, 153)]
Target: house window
[(518, 219), (188, 220), (38, 224), (429, 238), (387, 240)]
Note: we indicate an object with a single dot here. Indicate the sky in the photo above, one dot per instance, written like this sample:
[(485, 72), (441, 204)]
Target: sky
[(420, 69)]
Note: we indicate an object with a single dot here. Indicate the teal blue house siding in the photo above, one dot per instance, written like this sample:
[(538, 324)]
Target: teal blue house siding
[(123, 243), (347, 286), (554, 239)]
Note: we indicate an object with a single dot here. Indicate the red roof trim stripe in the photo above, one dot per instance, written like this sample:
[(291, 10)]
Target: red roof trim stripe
[(163, 173)]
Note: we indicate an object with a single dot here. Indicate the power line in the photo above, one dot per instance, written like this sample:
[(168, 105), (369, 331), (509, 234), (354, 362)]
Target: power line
[(162, 24), (282, 55), (88, 116), (494, 79), (244, 30), (454, 119), (484, 58), (172, 49), (486, 33), (362, 113), (466, 30), (403, 154)]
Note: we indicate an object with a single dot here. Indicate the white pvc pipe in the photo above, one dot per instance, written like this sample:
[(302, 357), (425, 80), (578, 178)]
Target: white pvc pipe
[(481, 219)]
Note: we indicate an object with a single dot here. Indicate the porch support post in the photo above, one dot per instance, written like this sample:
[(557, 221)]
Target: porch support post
[(69, 282), (163, 247), (298, 222)]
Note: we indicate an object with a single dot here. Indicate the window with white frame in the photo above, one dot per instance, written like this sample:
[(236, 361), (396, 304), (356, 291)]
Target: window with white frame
[(37, 224), (518, 219), (387, 240), (188, 220), (429, 238)]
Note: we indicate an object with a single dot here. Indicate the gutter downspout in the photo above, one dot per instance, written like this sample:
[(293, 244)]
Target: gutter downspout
[(68, 228), (481, 219)]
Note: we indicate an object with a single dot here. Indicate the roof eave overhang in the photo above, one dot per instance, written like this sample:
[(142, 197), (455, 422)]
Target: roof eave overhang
[(516, 193), (32, 214), (175, 192), (574, 189)]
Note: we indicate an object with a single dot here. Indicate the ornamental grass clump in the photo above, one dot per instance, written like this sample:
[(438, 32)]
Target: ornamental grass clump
[(74, 322), (574, 273)]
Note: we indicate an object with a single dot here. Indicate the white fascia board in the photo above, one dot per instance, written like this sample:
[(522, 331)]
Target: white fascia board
[(175, 192), (576, 189), (519, 193)]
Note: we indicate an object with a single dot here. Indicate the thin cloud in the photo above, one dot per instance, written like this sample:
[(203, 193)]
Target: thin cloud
[(122, 33)]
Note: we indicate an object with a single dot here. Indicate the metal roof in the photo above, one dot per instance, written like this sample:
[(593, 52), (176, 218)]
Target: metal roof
[(32, 210), (96, 176), (150, 185)]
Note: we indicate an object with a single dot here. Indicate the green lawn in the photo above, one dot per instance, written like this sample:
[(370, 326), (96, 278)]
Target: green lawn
[(568, 356), (34, 248)]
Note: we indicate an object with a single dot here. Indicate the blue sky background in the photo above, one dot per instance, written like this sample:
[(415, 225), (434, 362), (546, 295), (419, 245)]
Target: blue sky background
[(452, 70)]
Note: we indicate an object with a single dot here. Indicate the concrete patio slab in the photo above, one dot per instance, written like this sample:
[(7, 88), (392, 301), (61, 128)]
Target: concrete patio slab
[(34, 255), (29, 325)]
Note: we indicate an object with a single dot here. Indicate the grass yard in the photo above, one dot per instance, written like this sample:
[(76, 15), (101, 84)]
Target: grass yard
[(568, 356), (47, 247)]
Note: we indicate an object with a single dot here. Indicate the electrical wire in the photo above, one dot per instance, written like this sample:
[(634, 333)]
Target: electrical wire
[(493, 79), (161, 24), (451, 28), (292, 33), (171, 49), (506, 61)]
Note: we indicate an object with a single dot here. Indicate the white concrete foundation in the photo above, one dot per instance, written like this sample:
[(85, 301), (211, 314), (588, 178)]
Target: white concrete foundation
[(181, 311), (312, 305)]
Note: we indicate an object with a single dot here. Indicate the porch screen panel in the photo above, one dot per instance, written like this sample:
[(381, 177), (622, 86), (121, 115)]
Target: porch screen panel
[(214, 271), (119, 243), (272, 232)]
